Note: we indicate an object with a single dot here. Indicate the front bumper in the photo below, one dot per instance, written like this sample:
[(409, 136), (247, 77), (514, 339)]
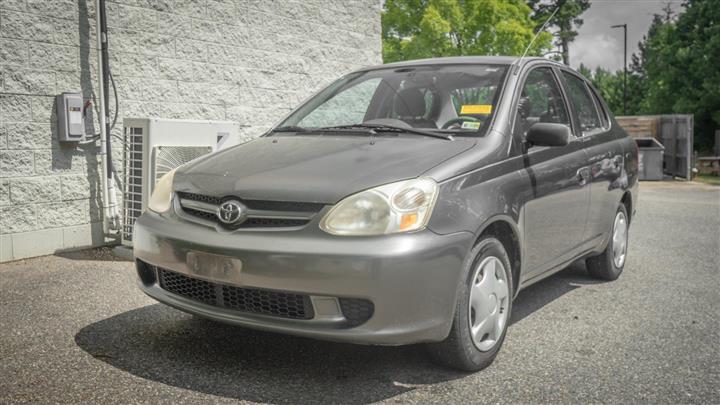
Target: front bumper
[(411, 279)]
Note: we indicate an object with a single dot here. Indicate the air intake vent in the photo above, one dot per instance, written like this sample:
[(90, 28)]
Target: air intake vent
[(247, 300)]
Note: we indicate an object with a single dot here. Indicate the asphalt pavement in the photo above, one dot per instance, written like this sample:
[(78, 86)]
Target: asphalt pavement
[(74, 328)]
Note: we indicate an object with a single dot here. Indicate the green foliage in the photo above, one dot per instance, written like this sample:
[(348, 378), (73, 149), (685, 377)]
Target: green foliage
[(676, 71), (566, 20), (414, 29)]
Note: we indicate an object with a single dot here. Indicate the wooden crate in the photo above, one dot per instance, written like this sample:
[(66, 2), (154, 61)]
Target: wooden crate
[(641, 126)]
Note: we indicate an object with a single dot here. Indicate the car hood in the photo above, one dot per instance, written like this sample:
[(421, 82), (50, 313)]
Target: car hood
[(320, 168)]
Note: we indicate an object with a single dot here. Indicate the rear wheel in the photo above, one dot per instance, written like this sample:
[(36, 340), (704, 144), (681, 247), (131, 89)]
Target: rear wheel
[(482, 311), (609, 264)]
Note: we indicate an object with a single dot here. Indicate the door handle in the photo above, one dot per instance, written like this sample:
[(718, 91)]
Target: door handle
[(583, 176)]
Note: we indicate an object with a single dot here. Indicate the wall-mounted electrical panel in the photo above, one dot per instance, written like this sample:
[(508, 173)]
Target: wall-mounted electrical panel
[(154, 146), (70, 117)]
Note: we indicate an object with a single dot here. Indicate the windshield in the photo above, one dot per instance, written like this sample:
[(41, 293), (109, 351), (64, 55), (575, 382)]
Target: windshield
[(460, 99)]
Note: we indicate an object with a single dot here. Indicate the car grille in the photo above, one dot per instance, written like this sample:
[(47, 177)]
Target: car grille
[(247, 300), (259, 213)]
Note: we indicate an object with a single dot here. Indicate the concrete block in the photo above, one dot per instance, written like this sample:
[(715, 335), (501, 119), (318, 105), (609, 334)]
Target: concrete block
[(34, 189), (65, 213), (6, 248), (219, 54), (54, 57), (62, 160), (4, 192), (13, 52), (26, 26), (151, 43), (136, 18), (161, 90), (133, 65), (29, 136), (17, 218), (28, 81), (193, 8), (17, 5), (207, 30), (178, 69), (191, 49), (15, 108), (42, 109), (36, 243), (175, 25), (224, 12), (67, 10), (83, 235), (75, 187), (15, 163)]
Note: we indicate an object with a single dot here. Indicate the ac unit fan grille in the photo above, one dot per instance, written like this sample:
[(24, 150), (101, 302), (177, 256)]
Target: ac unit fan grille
[(132, 196)]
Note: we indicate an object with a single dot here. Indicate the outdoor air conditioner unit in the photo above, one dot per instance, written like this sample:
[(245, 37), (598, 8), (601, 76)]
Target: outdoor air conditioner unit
[(154, 146)]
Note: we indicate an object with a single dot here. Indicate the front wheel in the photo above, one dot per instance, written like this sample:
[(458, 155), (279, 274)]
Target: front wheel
[(609, 264), (482, 311)]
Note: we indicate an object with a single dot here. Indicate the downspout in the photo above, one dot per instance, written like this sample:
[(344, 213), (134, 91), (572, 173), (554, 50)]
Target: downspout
[(111, 223)]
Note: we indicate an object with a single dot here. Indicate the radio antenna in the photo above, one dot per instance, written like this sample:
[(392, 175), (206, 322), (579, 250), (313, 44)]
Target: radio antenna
[(537, 34)]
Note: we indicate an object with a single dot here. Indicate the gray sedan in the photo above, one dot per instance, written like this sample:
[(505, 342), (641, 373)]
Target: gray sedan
[(404, 203)]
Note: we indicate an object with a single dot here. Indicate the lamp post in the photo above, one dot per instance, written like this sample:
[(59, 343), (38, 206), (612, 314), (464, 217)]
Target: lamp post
[(624, 27)]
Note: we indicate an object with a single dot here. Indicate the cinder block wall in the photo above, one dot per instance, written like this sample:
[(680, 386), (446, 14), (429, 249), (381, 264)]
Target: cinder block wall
[(249, 61)]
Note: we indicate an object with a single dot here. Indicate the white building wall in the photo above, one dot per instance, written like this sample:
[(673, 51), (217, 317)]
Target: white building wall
[(249, 61)]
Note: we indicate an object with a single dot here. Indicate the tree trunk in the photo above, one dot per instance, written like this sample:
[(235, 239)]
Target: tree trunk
[(565, 51)]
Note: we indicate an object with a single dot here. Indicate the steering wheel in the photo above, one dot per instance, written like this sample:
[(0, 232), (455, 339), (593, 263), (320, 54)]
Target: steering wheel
[(459, 120)]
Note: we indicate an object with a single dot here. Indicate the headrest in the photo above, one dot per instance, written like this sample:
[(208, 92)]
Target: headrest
[(410, 103)]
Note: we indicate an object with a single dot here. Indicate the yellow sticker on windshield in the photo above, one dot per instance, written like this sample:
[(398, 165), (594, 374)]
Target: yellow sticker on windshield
[(472, 109)]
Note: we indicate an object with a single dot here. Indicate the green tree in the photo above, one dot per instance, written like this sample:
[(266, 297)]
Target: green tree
[(686, 75), (413, 29), (567, 20), (609, 84), (676, 68)]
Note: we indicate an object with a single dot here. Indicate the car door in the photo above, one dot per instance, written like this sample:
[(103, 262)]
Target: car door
[(555, 214), (605, 156)]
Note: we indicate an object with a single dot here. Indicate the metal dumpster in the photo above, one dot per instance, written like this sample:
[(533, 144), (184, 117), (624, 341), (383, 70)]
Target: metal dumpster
[(650, 159)]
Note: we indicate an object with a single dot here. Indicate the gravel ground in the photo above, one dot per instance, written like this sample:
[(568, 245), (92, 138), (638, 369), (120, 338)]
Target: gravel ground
[(74, 328)]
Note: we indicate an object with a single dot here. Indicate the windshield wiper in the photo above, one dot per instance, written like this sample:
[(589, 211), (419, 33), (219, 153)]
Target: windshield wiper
[(391, 128), (291, 128)]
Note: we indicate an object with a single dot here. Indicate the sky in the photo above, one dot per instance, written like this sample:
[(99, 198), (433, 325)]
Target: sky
[(599, 45)]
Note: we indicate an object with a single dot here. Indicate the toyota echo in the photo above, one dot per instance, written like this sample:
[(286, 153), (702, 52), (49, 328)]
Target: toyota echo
[(404, 203)]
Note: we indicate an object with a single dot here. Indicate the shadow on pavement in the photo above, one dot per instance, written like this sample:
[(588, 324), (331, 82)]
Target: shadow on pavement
[(548, 290), (164, 345)]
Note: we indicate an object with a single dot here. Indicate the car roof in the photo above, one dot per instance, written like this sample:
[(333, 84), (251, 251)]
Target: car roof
[(492, 60)]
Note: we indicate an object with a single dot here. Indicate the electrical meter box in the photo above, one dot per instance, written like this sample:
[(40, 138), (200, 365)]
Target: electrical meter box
[(70, 117)]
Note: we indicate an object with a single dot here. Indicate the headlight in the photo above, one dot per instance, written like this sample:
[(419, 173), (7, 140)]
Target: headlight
[(397, 207), (162, 194)]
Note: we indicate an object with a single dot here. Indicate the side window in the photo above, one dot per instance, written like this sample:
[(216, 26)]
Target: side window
[(540, 101), (584, 104), (604, 117)]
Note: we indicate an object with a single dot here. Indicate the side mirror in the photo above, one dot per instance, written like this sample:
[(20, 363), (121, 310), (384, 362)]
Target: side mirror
[(548, 134)]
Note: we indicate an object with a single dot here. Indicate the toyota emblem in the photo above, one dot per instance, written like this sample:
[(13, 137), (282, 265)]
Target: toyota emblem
[(230, 212)]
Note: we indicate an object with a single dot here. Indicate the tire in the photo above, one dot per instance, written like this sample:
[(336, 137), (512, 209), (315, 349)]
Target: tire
[(459, 350), (608, 265)]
